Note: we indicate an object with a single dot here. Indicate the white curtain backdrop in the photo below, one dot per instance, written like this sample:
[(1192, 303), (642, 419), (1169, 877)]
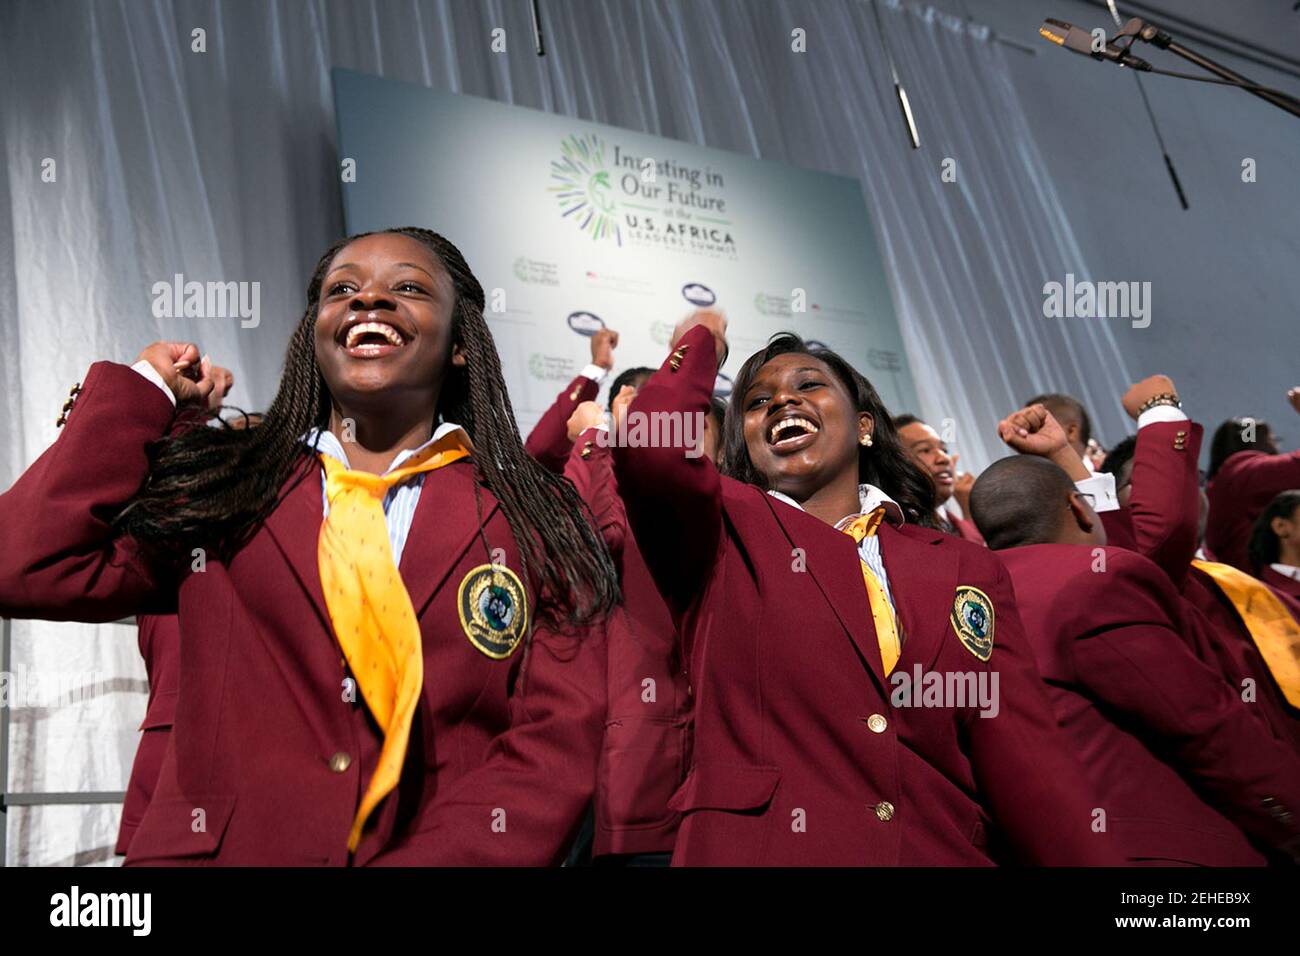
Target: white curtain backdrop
[(221, 165)]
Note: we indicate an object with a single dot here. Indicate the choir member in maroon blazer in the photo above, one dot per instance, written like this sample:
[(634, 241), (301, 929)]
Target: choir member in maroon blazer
[(1274, 547), (646, 749), (1161, 517), (275, 738), (1188, 774), (809, 747), (1246, 472), (930, 452)]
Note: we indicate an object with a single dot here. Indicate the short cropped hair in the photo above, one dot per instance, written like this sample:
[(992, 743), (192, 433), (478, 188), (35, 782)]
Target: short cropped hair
[(1017, 501), (629, 376)]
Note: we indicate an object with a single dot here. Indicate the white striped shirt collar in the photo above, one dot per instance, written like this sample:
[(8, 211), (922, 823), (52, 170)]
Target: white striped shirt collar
[(869, 498), (326, 441), (1287, 570)]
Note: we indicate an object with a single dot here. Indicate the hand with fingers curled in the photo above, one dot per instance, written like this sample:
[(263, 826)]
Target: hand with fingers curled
[(586, 415), (1033, 430), (192, 378), (603, 344), (711, 319)]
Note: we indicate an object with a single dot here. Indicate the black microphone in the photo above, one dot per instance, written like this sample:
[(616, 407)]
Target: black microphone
[(1080, 41)]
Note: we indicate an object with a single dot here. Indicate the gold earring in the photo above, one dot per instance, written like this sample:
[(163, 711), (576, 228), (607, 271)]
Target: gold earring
[(865, 440)]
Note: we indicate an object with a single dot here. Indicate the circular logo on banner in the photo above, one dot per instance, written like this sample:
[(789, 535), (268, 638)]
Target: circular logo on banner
[(585, 323), (581, 184), (698, 294), (493, 610)]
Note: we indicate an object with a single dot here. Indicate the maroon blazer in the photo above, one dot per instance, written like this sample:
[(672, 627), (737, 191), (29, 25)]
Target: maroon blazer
[(800, 755), (160, 646), (645, 752), (1282, 585), (1186, 771), (548, 442), (1160, 522), (268, 760), (1239, 493), (966, 530)]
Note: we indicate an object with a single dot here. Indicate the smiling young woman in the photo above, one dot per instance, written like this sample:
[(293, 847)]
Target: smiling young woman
[(863, 691), (381, 523)]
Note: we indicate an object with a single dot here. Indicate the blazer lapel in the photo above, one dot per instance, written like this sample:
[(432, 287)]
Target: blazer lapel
[(834, 565), (294, 525), (923, 581), (445, 526)]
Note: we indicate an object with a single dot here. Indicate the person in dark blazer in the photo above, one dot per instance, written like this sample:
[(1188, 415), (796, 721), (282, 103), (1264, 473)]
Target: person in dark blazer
[(386, 608), (1188, 774), (808, 645)]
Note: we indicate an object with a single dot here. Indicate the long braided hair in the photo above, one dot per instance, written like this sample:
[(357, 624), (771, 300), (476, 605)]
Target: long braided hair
[(212, 487)]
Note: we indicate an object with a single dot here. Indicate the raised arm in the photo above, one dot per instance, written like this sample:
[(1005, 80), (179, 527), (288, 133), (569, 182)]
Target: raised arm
[(1033, 430), (1164, 500), (673, 495), (549, 441), (590, 469), (62, 560)]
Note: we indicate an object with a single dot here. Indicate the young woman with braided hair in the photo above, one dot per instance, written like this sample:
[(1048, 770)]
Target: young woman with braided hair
[(389, 613)]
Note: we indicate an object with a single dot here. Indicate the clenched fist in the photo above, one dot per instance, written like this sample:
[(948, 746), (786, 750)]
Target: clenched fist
[(1033, 431), (711, 319), (603, 344), (1145, 390), (191, 378), (586, 415)]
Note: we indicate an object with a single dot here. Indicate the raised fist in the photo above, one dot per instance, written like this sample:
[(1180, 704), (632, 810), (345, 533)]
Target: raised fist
[(1033, 431), (711, 319), (190, 378), (603, 344), (1145, 390), (586, 415)]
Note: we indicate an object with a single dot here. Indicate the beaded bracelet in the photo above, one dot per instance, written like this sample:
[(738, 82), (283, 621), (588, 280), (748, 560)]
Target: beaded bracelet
[(1164, 398)]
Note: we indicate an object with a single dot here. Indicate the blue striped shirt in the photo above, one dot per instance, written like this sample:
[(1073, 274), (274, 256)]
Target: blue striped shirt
[(869, 498), (401, 499)]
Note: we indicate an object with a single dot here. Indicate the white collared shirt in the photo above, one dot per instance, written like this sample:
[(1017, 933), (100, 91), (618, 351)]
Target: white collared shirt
[(869, 498), (401, 499), (1287, 570)]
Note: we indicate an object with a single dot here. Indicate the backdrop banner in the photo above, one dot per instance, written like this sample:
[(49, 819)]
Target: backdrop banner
[(574, 226)]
